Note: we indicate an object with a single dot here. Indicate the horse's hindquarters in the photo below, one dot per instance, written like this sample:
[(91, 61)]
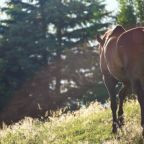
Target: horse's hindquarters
[(113, 61)]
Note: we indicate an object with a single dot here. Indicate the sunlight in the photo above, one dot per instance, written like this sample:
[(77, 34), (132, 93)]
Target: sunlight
[(112, 5)]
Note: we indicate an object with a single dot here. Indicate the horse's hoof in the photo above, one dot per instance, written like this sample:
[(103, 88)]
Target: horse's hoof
[(121, 124), (114, 131), (143, 133), (121, 119), (114, 128)]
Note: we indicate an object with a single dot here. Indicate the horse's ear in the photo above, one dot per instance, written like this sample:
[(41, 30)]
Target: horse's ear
[(99, 39)]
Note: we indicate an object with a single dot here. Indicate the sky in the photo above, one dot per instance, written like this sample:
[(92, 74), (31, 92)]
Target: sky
[(112, 5), (2, 1)]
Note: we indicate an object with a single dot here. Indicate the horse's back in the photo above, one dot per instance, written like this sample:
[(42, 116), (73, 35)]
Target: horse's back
[(132, 37)]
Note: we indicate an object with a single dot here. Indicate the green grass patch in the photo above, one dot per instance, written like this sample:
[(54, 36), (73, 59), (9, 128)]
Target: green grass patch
[(90, 125)]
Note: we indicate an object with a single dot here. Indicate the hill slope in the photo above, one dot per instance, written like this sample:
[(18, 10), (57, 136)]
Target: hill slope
[(90, 125)]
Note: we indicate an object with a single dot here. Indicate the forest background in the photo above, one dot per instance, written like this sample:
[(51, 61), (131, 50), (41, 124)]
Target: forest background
[(49, 57)]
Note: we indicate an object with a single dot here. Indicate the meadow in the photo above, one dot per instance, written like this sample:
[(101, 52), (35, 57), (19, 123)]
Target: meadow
[(91, 125)]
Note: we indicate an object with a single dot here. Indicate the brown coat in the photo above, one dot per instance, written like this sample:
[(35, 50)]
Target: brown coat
[(122, 60)]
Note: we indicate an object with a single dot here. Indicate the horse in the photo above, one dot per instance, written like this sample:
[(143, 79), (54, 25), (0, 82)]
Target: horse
[(122, 60)]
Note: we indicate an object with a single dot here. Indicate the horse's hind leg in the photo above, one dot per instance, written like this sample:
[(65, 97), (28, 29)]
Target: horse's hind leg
[(124, 91), (139, 89), (110, 84)]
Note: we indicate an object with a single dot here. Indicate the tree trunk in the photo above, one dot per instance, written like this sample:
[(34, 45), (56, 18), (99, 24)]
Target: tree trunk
[(58, 62), (44, 33)]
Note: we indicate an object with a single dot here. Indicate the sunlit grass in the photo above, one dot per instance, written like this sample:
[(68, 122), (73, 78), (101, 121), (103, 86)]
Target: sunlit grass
[(90, 125)]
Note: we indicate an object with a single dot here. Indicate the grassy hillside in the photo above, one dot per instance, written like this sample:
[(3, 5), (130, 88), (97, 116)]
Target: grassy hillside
[(90, 125)]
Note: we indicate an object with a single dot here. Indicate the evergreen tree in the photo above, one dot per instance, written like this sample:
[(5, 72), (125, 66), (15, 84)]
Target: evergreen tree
[(23, 47), (126, 16), (140, 11), (38, 32), (74, 22)]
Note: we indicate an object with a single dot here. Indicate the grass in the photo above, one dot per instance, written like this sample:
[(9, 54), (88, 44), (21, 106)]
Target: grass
[(90, 125)]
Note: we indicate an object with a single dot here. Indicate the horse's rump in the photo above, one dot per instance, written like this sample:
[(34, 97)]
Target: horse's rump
[(130, 47)]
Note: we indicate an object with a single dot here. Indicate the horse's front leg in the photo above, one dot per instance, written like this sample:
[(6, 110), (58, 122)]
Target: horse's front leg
[(110, 84)]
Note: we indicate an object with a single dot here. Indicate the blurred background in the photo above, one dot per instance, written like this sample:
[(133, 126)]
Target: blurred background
[(49, 57)]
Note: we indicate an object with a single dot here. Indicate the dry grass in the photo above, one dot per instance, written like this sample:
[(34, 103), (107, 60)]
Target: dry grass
[(90, 125)]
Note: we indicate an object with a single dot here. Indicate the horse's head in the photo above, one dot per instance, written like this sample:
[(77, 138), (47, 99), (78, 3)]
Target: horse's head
[(115, 32)]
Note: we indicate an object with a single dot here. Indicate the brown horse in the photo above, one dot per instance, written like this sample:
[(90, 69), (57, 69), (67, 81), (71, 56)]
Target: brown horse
[(122, 60)]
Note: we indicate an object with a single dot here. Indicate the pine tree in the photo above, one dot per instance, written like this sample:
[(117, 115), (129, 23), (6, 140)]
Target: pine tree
[(37, 33), (126, 16), (22, 45), (140, 11), (74, 22)]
